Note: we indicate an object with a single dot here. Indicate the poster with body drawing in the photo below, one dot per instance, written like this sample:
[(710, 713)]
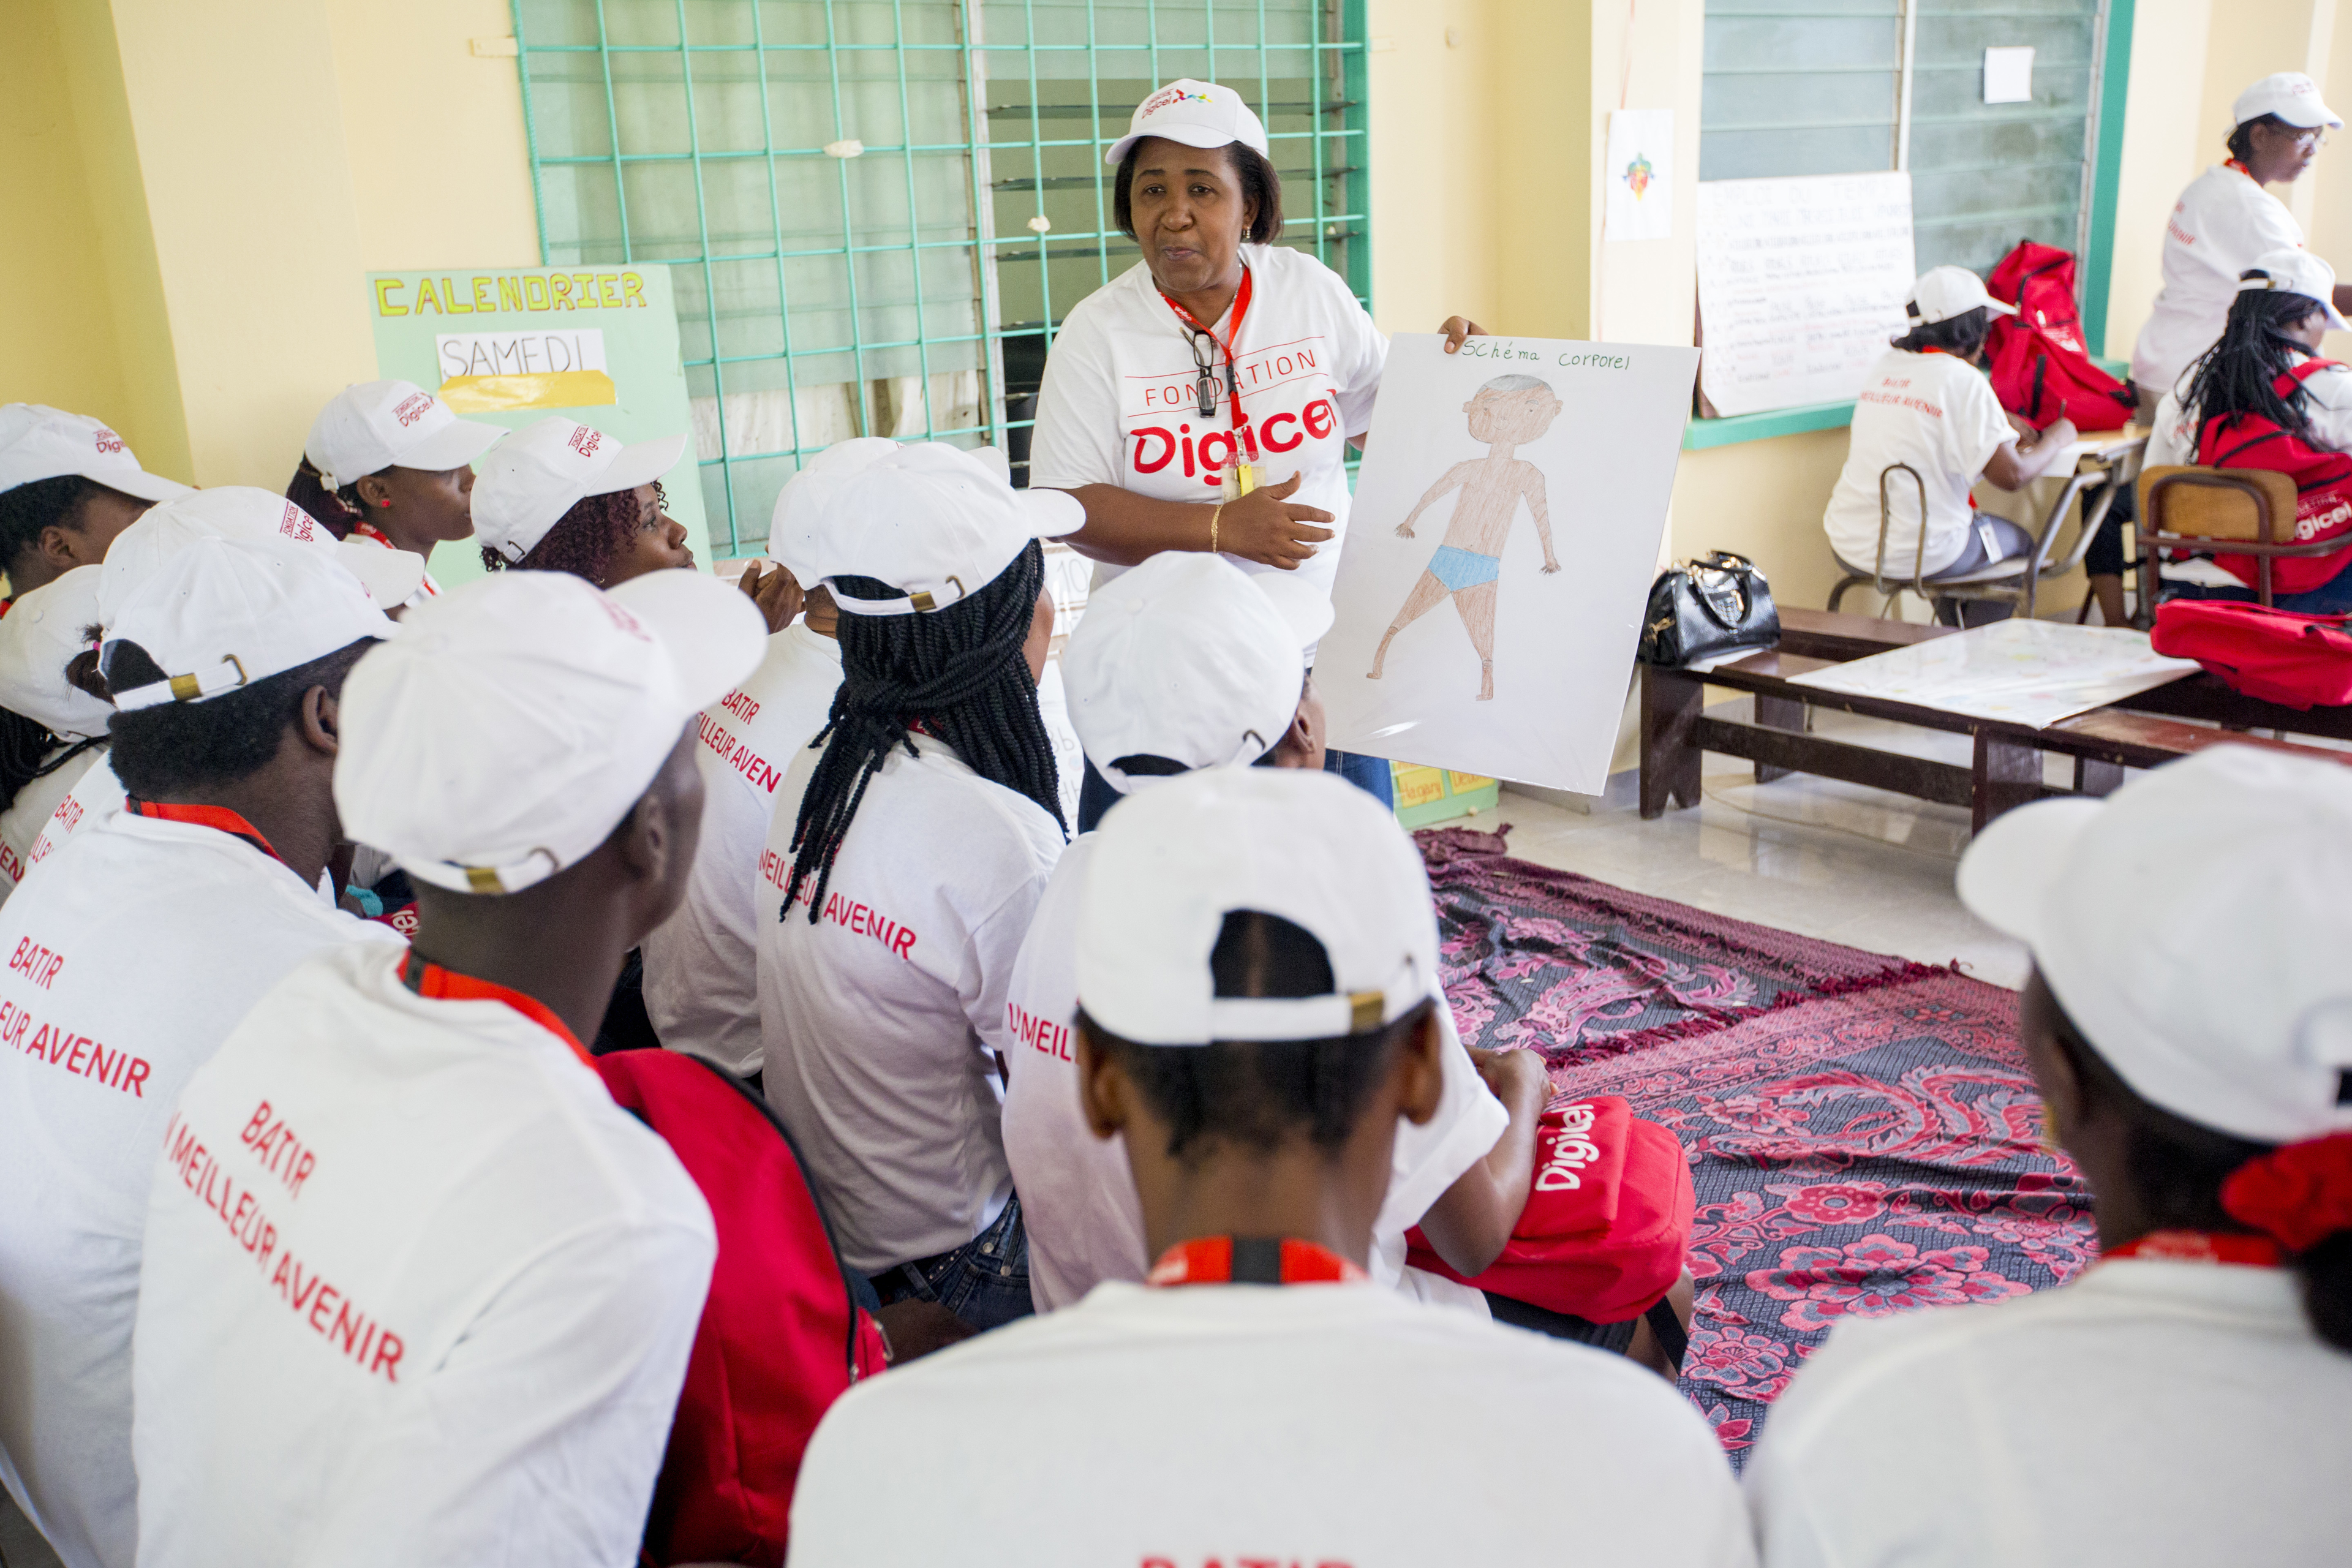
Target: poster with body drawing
[(1504, 533)]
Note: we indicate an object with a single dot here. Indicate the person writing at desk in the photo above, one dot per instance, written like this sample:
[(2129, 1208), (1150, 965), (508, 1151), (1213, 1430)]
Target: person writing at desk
[(1206, 398)]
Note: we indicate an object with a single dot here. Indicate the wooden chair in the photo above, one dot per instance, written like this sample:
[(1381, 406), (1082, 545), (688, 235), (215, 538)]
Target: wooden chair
[(2016, 580), (2222, 512)]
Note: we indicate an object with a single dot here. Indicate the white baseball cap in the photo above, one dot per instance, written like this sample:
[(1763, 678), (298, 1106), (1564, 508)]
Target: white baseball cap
[(242, 512), (42, 633), (2195, 927), (1943, 292), (226, 613), (2291, 96), (541, 471), (1188, 657), (517, 720), (41, 443), (1172, 863), (373, 426), (1196, 113), (935, 522), (2297, 271), (792, 525)]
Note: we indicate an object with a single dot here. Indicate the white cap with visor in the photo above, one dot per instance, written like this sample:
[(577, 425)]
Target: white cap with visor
[(42, 633), (529, 481), (2291, 96), (243, 512), (1943, 292), (41, 443), (1196, 114), (373, 426), (2297, 271)]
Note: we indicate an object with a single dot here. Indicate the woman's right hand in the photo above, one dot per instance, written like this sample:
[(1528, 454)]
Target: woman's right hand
[(1265, 527)]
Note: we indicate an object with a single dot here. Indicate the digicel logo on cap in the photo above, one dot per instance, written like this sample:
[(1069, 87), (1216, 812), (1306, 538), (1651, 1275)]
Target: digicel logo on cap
[(107, 441), (297, 524), (1174, 96), (409, 410), (585, 441)]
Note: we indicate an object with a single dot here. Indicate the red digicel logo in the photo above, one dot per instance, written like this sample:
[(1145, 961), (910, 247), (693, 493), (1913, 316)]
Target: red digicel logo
[(107, 443), (297, 524), (1205, 458), (585, 441), (409, 410)]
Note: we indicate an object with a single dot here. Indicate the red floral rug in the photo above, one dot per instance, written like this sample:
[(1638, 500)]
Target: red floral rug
[(1863, 1134)]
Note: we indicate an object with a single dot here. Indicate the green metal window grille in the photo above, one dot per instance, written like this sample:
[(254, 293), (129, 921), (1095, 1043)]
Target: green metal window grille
[(877, 213)]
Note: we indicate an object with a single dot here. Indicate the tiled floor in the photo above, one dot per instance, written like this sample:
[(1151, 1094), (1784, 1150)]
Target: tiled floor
[(1828, 859)]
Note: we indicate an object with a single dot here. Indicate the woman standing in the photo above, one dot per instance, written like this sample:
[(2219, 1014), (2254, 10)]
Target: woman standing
[(1205, 399)]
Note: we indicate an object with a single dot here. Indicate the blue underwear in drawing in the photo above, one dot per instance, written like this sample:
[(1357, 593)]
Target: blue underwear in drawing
[(1459, 569)]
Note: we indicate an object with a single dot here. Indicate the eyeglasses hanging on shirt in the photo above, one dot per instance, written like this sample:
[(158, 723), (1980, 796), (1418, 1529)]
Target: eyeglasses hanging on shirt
[(1205, 360), (1241, 478)]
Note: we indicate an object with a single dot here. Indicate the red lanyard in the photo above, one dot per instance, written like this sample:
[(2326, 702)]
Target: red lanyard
[(434, 983), (2233, 164), (217, 818), (369, 530), (2203, 1247), (1252, 1260), (1240, 309)]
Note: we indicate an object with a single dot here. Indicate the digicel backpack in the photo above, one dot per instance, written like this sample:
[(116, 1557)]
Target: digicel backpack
[(1608, 1219), (2039, 366), (781, 1337), (2323, 486), (2298, 661)]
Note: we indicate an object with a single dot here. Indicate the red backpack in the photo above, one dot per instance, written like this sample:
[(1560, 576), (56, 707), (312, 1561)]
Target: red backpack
[(2298, 661), (2322, 485), (2039, 366), (1608, 1219), (781, 1337)]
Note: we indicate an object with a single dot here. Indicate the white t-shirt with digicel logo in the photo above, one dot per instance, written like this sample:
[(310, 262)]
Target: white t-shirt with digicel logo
[(96, 796), (1078, 1205), (129, 960), (417, 1290), (1119, 402), (702, 988), (2222, 223), (1937, 413), (873, 1016), (1269, 1426)]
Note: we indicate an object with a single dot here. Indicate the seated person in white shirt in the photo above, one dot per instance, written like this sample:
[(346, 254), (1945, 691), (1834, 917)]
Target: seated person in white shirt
[(1188, 662), (52, 730), (417, 1290), (132, 954), (895, 889), (1257, 957), (387, 463), (2190, 1024), (1927, 405)]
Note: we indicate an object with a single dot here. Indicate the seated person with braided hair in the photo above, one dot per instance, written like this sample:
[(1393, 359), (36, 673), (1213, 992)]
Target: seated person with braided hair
[(52, 728), (68, 486), (2189, 1022), (905, 856), (1258, 951)]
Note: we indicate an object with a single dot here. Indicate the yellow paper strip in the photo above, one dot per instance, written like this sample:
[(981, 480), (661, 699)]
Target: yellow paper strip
[(548, 389)]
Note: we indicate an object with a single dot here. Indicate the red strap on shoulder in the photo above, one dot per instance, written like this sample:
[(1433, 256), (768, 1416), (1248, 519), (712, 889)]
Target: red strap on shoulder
[(1212, 1260), (430, 981), (218, 817), (2288, 381), (2202, 1247)]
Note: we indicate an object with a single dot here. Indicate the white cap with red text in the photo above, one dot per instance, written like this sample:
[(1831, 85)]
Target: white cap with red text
[(2290, 95), (226, 613), (1172, 863), (1943, 292), (373, 426), (541, 471), (44, 631), (1195, 113), (1189, 658), (242, 512), (41, 443), (936, 523), (518, 718), (2297, 271), (2194, 926)]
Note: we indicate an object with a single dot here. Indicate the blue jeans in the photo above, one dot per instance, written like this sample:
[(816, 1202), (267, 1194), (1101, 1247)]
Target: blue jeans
[(985, 1281), (1369, 774)]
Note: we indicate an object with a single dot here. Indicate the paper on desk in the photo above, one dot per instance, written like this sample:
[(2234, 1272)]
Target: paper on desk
[(2025, 672)]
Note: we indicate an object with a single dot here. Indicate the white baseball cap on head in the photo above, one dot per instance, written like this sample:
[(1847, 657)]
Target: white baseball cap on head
[(44, 631), (1188, 657), (42, 443), (2291, 96), (373, 426), (243, 512), (519, 719), (2194, 926), (1172, 863), (2297, 271), (1196, 113), (1943, 292), (226, 613), (935, 522), (541, 471), (792, 526)]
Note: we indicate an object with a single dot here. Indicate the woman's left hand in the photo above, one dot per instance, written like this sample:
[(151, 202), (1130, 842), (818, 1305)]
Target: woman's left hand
[(1456, 328), (774, 591)]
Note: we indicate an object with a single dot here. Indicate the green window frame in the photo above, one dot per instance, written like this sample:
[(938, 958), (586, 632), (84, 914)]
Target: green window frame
[(877, 213)]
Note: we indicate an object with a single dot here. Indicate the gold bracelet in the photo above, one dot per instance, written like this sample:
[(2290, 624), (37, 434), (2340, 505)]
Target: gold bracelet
[(1214, 513)]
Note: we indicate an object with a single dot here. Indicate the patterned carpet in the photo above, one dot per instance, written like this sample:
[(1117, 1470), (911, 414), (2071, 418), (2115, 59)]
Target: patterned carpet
[(1864, 1135)]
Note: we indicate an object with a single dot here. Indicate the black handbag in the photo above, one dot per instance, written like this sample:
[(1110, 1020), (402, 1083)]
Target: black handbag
[(1711, 605)]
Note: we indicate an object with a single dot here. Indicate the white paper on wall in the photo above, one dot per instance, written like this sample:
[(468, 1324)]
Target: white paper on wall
[(1498, 558), (1800, 284), (1639, 176), (2009, 75)]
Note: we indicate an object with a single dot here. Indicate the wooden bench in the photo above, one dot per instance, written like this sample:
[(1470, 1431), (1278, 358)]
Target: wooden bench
[(2006, 767)]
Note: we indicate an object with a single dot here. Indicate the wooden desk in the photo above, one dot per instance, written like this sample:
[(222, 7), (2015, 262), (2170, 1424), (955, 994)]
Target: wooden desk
[(2006, 767)]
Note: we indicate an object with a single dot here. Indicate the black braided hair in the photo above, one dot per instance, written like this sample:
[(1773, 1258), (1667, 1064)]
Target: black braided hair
[(23, 742), (961, 672), (2238, 374), (338, 510)]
